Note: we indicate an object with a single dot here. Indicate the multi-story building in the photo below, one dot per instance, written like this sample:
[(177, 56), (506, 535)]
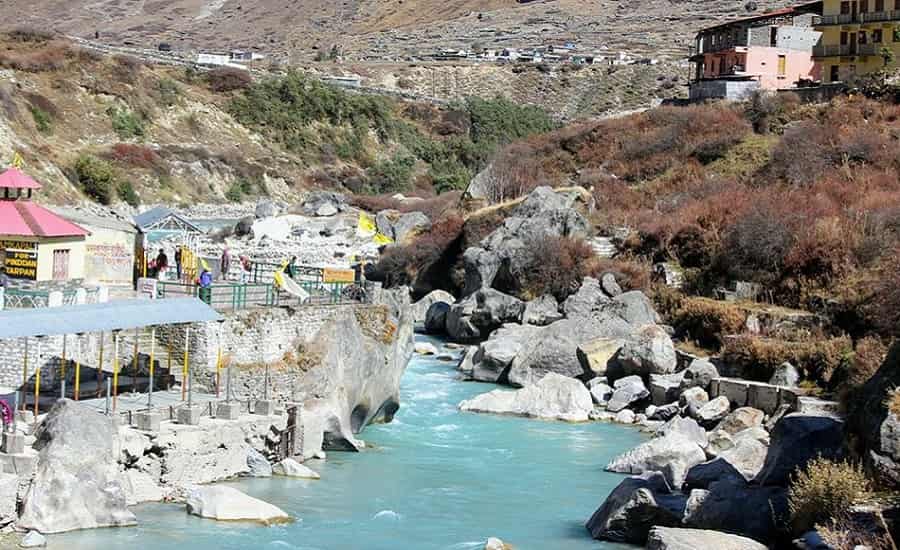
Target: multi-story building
[(766, 51), (855, 35)]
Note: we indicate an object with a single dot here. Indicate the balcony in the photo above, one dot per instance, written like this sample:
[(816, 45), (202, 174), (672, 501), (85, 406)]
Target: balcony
[(877, 16), (855, 19), (844, 50), (838, 19)]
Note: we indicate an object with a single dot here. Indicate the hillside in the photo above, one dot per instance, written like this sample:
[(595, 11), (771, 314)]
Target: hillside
[(113, 127)]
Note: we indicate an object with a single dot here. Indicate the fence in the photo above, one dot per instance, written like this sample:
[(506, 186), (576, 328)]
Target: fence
[(17, 298), (234, 296)]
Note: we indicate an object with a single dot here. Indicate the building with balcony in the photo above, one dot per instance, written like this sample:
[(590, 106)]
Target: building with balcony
[(766, 51), (855, 35)]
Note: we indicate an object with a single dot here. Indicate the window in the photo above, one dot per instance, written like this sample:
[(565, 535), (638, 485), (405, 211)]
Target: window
[(863, 6), (877, 36), (879, 5), (862, 37), (843, 38), (845, 7), (782, 65), (834, 76), (60, 265)]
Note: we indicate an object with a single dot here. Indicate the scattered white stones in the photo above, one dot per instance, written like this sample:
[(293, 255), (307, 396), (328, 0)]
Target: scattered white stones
[(291, 468), (33, 540)]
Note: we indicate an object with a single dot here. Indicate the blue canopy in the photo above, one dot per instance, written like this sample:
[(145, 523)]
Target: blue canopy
[(114, 315)]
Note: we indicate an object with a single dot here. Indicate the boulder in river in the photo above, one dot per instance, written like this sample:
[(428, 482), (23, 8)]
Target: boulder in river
[(672, 455), (674, 538), (436, 318), (257, 464), (635, 506), (628, 390), (223, 503), (291, 468), (649, 351), (554, 397), (736, 507), (541, 311), (497, 353), (797, 439), (76, 483)]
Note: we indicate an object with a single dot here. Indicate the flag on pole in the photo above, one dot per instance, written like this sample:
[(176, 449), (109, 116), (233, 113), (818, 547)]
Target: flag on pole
[(381, 239), (17, 160), (366, 226)]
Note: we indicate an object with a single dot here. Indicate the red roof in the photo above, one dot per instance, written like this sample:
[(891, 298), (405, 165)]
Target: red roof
[(799, 9), (26, 219), (15, 179)]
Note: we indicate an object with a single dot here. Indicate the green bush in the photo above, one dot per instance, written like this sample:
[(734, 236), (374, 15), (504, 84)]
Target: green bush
[(128, 194), (168, 91), (239, 189), (96, 177), (500, 121), (43, 121), (449, 175), (126, 123), (393, 175)]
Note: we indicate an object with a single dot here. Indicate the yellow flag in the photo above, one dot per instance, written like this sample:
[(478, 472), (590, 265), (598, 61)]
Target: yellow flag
[(366, 225), (380, 239), (204, 265), (17, 160)]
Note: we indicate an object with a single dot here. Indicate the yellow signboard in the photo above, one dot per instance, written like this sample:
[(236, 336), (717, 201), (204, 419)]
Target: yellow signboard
[(17, 245), (334, 275), (21, 265)]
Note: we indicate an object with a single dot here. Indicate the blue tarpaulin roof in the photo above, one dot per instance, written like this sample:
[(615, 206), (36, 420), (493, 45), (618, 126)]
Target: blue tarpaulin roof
[(117, 314)]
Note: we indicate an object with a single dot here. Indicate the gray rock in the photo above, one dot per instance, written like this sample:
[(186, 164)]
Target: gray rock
[(596, 355), (635, 506), (589, 298), (738, 508), (796, 440), (384, 222), (741, 419), (554, 397), (223, 503), (699, 374), (625, 417), (493, 543), (741, 462), (609, 285), (553, 348), (467, 361), (635, 308), (75, 485), (665, 412), (601, 393), (410, 225), (704, 474), (257, 464), (785, 375), (244, 226), (291, 468), (669, 538), (494, 308), (496, 355), (316, 200), (692, 400), (542, 311), (420, 308), (326, 210), (649, 352), (627, 391), (721, 441), (33, 539), (267, 208), (714, 411), (686, 428), (672, 455), (665, 388), (459, 321), (436, 318)]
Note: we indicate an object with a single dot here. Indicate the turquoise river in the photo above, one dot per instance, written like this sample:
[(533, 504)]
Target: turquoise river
[(434, 478)]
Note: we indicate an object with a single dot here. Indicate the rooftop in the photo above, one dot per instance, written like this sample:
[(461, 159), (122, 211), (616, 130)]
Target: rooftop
[(13, 178), (23, 218), (807, 7)]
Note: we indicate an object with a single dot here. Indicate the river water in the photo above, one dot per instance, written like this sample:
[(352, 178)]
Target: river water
[(435, 478)]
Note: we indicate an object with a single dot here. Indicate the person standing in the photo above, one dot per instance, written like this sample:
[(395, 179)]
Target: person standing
[(161, 263), (225, 263), (292, 267), (178, 262)]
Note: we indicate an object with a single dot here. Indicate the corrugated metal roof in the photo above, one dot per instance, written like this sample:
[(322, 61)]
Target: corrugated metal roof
[(96, 216), (118, 314), (15, 179), (146, 220), (27, 219)]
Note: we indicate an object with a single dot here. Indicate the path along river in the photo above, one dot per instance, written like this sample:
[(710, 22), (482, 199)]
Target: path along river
[(435, 478)]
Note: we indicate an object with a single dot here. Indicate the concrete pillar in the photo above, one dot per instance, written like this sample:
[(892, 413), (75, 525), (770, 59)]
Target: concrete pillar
[(80, 296), (55, 299), (13, 443), (102, 294), (189, 416), (264, 407), (147, 421), (228, 411)]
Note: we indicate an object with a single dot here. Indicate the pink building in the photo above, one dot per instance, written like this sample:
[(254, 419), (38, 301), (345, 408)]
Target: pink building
[(769, 51)]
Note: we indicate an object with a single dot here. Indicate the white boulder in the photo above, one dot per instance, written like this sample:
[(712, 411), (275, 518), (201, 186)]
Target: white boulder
[(228, 504)]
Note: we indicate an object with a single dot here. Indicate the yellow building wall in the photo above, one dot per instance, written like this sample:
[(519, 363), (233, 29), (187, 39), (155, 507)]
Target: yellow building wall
[(76, 250), (857, 65)]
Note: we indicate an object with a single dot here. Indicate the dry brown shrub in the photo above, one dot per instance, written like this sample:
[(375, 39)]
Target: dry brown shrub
[(706, 321), (843, 533), (630, 274), (824, 490), (817, 358), (556, 266), (138, 156), (46, 57), (228, 79), (893, 402)]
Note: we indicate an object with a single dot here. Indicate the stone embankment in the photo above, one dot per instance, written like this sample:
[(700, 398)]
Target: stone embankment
[(722, 449)]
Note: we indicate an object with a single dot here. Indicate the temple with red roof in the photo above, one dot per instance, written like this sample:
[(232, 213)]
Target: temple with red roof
[(35, 243)]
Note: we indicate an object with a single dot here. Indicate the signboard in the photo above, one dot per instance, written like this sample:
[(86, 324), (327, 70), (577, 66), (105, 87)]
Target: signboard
[(17, 245), (21, 264), (146, 287), (334, 275)]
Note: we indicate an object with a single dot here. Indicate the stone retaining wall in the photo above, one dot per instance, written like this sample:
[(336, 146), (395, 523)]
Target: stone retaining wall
[(745, 393)]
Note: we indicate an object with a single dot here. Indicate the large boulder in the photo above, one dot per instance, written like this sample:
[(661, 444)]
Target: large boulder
[(550, 349), (627, 391), (610, 285), (692, 400), (587, 299), (541, 311), (257, 464), (597, 354), (797, 439), (635, 506), (291, 468), (494, 308), (495, 356), (741, 419), (671, 538), (699, 374), (420, 308), (635, 308), (409, 225), (244, 226), (554, 397), (736, 507), (223, 503), (76, 483), (317, 203), (869, 417), (267, 208), (436, 318), (684, 427), (785, 375), (665, 388), (741, 462), (506, 252), (459, 321), (713, 411), (650, 351), (672, 455)]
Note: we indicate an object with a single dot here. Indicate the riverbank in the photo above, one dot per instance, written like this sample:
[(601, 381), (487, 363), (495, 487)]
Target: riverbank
[(434, 478)]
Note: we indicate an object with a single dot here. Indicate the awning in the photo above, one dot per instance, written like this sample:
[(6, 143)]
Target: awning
[(108, 316)]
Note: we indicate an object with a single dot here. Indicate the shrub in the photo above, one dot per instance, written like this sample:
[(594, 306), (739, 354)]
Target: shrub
[(499, 121), (818, 359), (125, 123), (630, 274), (824, 490), (42, 120), (47, 57), (845, 533), (127, 68), (766, 110), (138, 156), (893, 402), (885, 307), (168, 91), (556, 265), (402, 264), (392, 175), (706, 321), (228, 79), (127, 193), (96, 177), (30, 34), (756, 245), (234, 193)]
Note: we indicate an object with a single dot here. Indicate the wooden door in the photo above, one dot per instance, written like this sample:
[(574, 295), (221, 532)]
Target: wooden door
[(60, 265)]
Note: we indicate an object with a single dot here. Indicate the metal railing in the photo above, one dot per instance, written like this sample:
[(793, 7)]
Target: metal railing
[(222, 296), (835, 50), (20, 298), (835, 19)]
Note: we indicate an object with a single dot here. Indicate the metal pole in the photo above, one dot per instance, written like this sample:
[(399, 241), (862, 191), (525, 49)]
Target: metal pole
[(108, 392), (78, 342), (228, 384), (37, 377), (134, 360), (24, 372), (115, 368), (152, 350), (100, 366), (218, 359), (266, 386), (62, 367), (185, 374)]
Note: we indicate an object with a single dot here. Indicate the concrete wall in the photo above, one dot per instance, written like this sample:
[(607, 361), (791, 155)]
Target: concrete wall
[(722, 89), (797, 38), (109, 256), (763, 62), (76, 258)]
